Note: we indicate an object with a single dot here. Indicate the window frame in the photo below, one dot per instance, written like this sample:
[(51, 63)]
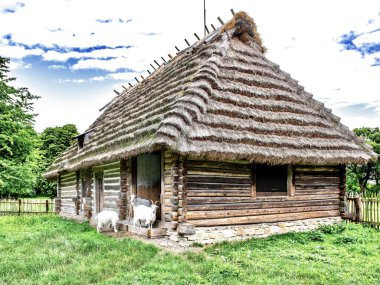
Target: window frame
[(290, 186)]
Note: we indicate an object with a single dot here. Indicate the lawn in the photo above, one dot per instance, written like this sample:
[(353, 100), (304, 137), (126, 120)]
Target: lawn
[(50, 250)]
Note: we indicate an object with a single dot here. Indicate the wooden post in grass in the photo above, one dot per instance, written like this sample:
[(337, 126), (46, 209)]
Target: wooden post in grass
[(47, 206), (19, 207), (358, 209)]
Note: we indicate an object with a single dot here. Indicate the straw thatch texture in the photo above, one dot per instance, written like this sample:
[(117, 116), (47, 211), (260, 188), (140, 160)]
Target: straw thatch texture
[(220, 99)]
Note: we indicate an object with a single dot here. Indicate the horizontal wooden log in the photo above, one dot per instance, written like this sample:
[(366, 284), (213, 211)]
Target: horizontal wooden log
[(265, 218), (112, 174), (113, 180), (218, 193), (107, 166), (317, 192), (260, 205), (311, 169), (67, 185), (216, 164), (218, 172), (202, 185), (68, 194), (68, 177), (198, 215), (111, 187), (219, 179), (68, 189), (317, 188), (227, 200), (111, 195), (317, 181)]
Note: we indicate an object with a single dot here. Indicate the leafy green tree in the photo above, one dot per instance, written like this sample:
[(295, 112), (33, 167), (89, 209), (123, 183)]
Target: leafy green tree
[(359, 176), (18, 140), (53, 141)]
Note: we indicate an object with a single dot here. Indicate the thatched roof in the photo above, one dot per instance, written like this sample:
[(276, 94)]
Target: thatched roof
[(219, 99)]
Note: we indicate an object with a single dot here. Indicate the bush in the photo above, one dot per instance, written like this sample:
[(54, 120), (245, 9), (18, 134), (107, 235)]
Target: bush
[(333, 229), (346, 239), (315, 236)]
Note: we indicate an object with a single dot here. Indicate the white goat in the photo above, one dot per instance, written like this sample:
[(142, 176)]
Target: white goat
[(136, 201), (107, 218), (146, 214)]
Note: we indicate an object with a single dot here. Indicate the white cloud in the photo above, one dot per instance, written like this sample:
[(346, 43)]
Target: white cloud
[(98, 78), (18, 52), (56, 66), (19, 64), (119, 76), (80, 81), (109, 65)]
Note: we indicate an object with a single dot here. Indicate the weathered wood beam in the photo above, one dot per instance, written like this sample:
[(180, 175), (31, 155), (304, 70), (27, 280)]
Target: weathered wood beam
[(265, 218)]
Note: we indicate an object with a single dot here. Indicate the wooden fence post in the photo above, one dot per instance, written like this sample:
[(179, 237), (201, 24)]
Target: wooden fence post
[(47, 206), (19, 207), (358, 209)]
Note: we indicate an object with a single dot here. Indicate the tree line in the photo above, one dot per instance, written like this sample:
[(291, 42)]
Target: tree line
[(25, 155)]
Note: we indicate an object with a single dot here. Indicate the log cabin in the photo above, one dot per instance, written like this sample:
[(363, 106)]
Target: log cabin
[(229, 144)]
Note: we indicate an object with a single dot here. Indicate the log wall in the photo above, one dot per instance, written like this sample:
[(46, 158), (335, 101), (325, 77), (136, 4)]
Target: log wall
[(220, 193), (68, 191), (111, 184), (170, 183), (125, 207), (88, 199)]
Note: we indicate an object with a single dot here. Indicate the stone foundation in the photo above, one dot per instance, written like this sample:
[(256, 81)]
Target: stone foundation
[(209, 235)]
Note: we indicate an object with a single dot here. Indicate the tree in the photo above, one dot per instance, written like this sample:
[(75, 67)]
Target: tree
[(53, 141), (359, 176), (18, 140)]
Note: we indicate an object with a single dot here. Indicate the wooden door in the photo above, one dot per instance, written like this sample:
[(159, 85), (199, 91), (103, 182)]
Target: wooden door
[(99, 192), (148, 177)]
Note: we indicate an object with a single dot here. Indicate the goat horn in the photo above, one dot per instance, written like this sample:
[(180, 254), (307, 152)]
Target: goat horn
[(157, 202)]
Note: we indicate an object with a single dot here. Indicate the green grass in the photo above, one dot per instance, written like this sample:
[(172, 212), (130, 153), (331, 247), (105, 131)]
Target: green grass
[(50, 250)]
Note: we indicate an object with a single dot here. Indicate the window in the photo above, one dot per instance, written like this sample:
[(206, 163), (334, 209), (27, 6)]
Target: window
[(83, 138), (272, 180)]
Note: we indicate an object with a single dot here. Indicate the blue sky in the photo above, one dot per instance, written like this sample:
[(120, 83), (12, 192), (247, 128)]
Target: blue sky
[(74, 54)]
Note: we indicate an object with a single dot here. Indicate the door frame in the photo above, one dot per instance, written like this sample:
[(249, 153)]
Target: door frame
[(162, 175), (99, 191)]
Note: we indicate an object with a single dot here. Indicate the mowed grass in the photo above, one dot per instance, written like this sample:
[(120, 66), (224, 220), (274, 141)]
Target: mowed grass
[(50, 250)]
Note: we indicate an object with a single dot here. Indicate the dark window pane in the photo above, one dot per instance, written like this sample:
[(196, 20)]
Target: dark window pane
[(271, 178)]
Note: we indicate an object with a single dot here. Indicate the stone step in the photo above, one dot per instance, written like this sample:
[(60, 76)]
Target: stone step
[(155, 232)]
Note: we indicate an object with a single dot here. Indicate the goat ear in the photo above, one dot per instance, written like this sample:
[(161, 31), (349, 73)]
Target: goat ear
[(151, 202)]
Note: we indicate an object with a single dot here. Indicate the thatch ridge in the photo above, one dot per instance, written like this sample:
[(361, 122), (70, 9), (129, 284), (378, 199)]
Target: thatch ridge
[(219, 99), (244, 28)]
